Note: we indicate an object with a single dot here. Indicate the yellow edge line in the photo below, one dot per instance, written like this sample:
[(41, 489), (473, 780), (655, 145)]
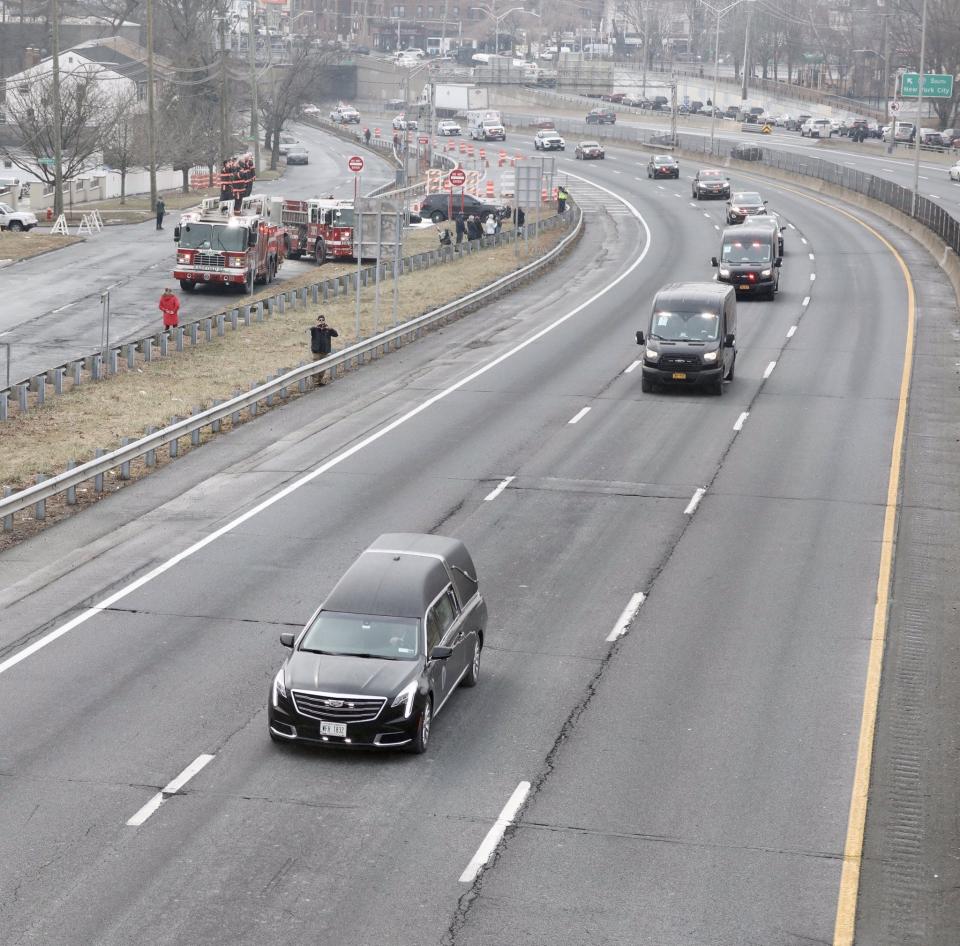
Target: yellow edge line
[(843, 930)]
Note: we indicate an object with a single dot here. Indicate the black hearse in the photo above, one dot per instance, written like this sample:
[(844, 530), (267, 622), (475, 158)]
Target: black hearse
[(376, 662), (749, 259), (691, 340)]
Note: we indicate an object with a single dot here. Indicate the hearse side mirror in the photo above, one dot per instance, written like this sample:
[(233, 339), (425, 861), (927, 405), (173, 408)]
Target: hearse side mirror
[(286, 638), (640, 339), (778, 261), (176, 233), (728, 341), (713, 261), (440, 652)]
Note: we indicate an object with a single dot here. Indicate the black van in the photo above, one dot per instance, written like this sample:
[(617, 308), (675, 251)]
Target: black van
[(749, 259), (691, 340)]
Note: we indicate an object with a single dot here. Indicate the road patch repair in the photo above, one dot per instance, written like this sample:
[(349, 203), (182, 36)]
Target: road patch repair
[(95, 417)]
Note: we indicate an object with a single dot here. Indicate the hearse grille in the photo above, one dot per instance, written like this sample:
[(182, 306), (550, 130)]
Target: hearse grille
[(336, 708)]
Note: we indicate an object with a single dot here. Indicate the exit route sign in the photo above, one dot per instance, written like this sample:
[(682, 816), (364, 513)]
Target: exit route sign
[(934, 86)]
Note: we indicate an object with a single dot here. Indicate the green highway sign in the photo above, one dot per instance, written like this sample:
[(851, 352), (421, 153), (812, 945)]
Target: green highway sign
[(934, 86)]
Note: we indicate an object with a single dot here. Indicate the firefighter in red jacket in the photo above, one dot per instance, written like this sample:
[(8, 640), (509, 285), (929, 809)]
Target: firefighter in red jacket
[(170, 307), (227, 177)]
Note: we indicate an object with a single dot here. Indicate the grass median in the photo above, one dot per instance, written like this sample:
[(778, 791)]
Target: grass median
[(97, 415), (18, 246)]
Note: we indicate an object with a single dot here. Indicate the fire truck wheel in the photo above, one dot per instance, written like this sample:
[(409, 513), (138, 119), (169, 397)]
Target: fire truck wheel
[(321, 252), (187, 286), (249, 281)]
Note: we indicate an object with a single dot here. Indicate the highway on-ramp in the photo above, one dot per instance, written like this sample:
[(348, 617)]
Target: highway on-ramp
[(681, 590)]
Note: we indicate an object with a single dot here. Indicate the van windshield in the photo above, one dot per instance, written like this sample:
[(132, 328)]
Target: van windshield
[(680, 326), (740, 252)]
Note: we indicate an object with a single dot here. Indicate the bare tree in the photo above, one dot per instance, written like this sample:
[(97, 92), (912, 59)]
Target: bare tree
[(86, 117), (124, 144), (189, 132)]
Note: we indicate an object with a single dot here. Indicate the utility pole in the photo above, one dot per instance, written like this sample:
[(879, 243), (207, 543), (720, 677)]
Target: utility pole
[(151, 111), (57, 111), (746, 52), (673, 111), (916, 126), (224, 111), (254, 97), (646, 47), (886, 69)]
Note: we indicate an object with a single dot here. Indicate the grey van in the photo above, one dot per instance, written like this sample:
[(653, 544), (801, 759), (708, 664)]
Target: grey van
[(692, 337), (750, 258)]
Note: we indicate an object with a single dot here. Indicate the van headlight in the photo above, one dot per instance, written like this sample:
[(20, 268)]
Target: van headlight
[(279, 687), (406, 696), (709, 356), (724, 271), (651, 354), (766, 272)]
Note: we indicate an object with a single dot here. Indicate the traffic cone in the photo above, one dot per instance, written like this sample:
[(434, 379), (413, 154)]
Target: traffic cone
[(376, 132), (490, 191)]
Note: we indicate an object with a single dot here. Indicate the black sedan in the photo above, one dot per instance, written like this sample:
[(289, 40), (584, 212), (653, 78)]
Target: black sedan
[(601, 116), (743, 205), (709, 182), (663, 165), (297, 154), (589, 151), (385, 651)]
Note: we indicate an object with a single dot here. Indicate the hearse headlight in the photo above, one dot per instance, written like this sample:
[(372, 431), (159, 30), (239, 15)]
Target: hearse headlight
[(766, 272), (279, 688), (724, 271), (651, 354), (405, 696), (709, 356)]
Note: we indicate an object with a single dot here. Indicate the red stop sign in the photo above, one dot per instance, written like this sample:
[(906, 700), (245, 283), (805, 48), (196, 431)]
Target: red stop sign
[(355, 164), (457, 177)]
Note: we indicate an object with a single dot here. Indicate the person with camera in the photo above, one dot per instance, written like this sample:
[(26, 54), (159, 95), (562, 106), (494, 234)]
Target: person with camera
[(320, 345)]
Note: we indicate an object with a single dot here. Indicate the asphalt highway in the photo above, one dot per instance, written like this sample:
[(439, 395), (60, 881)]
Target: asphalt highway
[(58, 314), (685, 783)]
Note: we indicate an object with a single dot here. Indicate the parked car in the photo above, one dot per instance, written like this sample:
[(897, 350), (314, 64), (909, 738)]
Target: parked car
[(710, 182), (932, 139), (16, 220), (745, 152), (615, 97), (816, 128), (287, 142), (548, 140), (635, 101), (435, 207), (589, 151), (954, 174), (601, 116), (345, 115), (663, 165), (391, 643), (402, 123), (447, 127), (297, 154)]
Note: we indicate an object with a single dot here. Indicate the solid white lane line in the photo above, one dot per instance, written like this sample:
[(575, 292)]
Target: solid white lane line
[(630, 367), (791, 331), (490, 842), (579, 415), (499, 489), (813, 276), (769, 369), (694, 501), (170, 789), (339, 458), (626, 619), (810, 255), (806, 301), (738, 424)]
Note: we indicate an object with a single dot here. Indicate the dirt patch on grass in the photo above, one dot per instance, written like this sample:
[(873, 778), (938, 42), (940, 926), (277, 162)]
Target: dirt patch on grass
[(18, 246), (97, 415)]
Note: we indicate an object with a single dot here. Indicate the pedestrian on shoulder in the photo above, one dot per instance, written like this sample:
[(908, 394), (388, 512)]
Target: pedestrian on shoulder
[(490, 225), (320, 346), (561, 199), (461, 227), (170, 307), (161, 210), (521, 218)]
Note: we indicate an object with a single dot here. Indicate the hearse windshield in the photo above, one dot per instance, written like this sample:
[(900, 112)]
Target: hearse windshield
[(737, 251), (681, 326), (361, 635), (208, 236)]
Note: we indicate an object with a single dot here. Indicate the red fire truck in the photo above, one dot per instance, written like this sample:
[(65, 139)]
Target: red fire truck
[(321, 228), (216, 245)]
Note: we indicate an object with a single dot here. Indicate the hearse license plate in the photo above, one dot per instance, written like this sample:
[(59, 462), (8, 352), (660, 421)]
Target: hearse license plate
[(679, 376), (744, 286), (333, 729)]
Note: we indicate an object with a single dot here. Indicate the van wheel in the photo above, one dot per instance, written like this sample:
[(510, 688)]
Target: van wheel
[(646, 384), (421, 738)]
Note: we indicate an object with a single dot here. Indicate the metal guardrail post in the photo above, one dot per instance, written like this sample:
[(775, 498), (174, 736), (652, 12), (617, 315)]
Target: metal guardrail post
[(208, 329), (175, 443), (221, 325), (22, 401), (4, 406), (114, 363), (150, 457), (147, 347), (164, 344), (98, 479), (125, 467), (8, 519), (253, 406), (194, 334), (234, 318), (245, 314), (195, 433), (41, 385), (71, 490), (131, 355)]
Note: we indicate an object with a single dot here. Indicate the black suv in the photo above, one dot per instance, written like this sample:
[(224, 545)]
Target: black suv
[(435, 206), (602, 116)]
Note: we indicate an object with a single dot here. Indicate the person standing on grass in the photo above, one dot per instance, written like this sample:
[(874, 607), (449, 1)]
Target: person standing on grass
[(521, 218), (461, 227), (170, 307), (320, 346), (490, 225), (161, 210)]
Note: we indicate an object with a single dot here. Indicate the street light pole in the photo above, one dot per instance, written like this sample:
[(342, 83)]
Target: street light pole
[(916, 127), (746, 54), (57, 111), (151, 110)]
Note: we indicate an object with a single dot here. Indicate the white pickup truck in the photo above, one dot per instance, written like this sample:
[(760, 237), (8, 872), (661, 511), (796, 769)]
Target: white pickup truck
[(11, 219)]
